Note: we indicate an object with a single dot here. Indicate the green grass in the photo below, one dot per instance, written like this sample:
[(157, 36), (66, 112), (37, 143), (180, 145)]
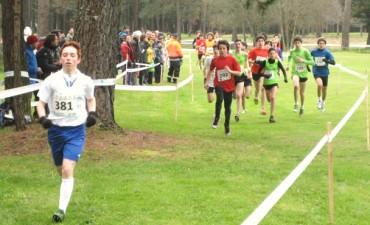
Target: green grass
[(210, 178)]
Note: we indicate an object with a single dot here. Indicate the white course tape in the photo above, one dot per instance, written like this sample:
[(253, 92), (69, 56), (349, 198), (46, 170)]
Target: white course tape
[(350, 71), (261, 211), (154, 88), (121, 64), (19, 90)]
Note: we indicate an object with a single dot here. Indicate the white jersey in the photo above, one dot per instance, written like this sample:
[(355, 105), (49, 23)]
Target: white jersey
[(207, 65), (66, 97)]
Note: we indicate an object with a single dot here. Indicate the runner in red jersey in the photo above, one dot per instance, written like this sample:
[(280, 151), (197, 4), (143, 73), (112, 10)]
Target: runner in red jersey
[(256, 56), (226, 67)]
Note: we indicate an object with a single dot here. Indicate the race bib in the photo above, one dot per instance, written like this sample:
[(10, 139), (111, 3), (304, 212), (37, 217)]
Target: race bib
[(260, 59), (300, 67), (210, 50), (223, 75), (270, 74), (319, 61), (67, 105), (201, 49)]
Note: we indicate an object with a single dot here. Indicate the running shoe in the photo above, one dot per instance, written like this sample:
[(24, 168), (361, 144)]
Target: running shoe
[(319, 105), (227, 129), (244, 111), (301, 112), (215, 122), (237, 118), (256, 101), (295, 109), (263, 112), (323, 107), (272, 120), (58, 216)]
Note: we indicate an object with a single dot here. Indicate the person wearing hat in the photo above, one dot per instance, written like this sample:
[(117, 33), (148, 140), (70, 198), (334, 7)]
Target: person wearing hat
[(175, 55), (32, 67), (322, 58)]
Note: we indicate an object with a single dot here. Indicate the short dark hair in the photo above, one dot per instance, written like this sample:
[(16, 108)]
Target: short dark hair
[(224, 42), (321, 39), (272, 49), (297, 38), (215, 46), (238, 40), (260, 37), (245, 44)]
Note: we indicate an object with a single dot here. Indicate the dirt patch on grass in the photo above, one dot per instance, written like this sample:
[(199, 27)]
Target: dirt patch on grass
[(99, 144)]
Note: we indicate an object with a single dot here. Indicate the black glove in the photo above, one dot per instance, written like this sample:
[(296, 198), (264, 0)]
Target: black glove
[(285, 80), (325, 60), (308, 69), (91, 119), (267, 76), (45, 122)]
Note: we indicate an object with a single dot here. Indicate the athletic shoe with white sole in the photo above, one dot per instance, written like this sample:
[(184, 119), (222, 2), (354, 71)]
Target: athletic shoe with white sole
[(301, 112), (227, 130), (58, 216), (323, 107), (295, 109), (319, 105), (215, 122)]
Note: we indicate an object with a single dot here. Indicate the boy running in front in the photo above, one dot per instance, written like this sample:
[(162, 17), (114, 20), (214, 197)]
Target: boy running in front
[(300, 58), (226, 67), (322, 58)]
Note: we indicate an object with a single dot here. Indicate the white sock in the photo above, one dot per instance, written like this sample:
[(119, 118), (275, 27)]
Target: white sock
[(319, 99), (323, 102), (302, 107), (66, 189)]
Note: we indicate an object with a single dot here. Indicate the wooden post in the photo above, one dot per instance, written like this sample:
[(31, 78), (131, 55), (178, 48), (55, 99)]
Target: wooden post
[(177, 101), (125, 79), (331, 179)]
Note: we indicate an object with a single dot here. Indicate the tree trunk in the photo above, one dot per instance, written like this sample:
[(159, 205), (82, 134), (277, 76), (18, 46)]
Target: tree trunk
[(135, 13), (346, 25), (368, 35), (204, 14), (178, 19), (14, 59), (43, 9), (96, 25)]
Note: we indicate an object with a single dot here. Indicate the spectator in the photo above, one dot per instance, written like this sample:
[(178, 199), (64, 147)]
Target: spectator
[(46, 56), (175, 55), (70, 34)]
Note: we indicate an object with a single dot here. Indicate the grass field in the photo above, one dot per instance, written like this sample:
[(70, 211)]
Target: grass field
[(207, 178)]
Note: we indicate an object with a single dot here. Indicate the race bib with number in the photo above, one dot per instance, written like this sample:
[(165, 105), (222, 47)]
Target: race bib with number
[(270, 74), (300, 67), (210, 50), (66, 105), (260, 59), (223, 75), (319, 61), (201, 49)]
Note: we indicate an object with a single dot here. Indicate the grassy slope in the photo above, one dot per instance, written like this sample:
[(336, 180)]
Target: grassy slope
[(213, 179)]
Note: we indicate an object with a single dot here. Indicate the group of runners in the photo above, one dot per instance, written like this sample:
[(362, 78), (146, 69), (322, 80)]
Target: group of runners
[(230, 75)]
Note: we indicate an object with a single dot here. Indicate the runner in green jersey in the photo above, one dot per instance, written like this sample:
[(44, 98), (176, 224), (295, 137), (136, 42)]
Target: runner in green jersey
[(300, 58), (270, 83)]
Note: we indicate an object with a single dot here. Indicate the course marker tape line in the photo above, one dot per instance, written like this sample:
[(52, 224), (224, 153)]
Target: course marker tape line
[(121, 64), (19, 90), (154, 88), (350, 71), (260, 212)]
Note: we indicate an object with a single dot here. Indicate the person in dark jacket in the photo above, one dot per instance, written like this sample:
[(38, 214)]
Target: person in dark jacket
[(137, 54), (45, 57)]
